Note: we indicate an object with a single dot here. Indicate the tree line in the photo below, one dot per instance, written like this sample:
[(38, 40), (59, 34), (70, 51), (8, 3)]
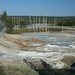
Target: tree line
[(67, 22), (25, 20)]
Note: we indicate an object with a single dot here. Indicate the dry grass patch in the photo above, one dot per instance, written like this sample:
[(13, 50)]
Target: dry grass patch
[(15, 68)]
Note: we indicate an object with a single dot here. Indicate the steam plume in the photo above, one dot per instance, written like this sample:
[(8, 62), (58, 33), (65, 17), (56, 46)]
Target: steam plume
[(2, 28)]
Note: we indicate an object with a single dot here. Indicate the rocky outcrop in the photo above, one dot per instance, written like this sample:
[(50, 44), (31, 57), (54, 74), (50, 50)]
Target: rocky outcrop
[(68, 59)]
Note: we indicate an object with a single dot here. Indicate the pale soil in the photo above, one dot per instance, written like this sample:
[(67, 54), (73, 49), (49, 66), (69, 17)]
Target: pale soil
[(10, 62)]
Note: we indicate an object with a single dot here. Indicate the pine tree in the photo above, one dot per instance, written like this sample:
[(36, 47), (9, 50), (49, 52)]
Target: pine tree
[(4, 17), (7, 21)]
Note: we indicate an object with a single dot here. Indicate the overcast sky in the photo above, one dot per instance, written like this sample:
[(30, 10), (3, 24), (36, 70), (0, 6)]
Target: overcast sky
[(39, 7)]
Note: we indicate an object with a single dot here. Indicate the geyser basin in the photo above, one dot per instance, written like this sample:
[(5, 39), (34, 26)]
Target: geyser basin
[(55, 39)]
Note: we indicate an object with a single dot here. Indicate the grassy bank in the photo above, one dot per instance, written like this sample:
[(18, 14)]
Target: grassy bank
[(31, 30), (8, 67), (11, 70)]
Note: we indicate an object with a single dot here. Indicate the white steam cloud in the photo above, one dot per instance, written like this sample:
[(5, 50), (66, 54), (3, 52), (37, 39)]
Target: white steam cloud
[(2, 28)]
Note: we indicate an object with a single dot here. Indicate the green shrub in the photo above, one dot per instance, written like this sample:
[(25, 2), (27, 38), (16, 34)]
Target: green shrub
[(2, 70), (56, 72)]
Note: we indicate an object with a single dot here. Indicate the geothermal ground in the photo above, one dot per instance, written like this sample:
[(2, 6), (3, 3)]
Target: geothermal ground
[(56, 49)]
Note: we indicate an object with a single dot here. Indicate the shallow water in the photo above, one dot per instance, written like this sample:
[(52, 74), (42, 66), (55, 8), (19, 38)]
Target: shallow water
[(40, 35), (59, 41)]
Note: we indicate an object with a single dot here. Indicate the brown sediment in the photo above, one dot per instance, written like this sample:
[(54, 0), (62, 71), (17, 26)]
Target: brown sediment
[(25, 44), (42, 47), (68, 59)]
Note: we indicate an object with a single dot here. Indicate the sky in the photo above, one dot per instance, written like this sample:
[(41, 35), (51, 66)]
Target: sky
[(38, 7)]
